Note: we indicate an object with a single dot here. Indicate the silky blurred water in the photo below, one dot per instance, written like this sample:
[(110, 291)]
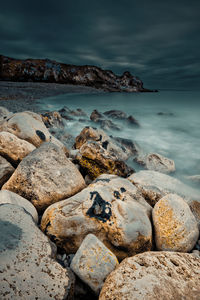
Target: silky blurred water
[(174, 133)]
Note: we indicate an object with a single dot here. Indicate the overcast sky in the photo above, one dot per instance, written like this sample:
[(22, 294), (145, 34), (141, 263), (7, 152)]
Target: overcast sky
[(157, 40)]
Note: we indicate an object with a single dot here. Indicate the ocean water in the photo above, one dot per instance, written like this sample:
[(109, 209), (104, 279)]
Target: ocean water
[(169, 122)]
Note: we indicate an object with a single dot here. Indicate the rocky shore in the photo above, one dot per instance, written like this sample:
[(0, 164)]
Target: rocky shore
[(45, 70), (78, 222)]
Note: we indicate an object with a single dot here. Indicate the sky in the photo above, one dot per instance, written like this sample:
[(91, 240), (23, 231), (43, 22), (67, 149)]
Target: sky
[(156, 40)]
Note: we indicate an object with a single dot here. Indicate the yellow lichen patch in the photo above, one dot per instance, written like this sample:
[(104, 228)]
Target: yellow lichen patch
[(169, 230)]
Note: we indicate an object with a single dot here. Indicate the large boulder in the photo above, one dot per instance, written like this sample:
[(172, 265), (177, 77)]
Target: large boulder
[(30, 127), (111, 208), (175, 226), (156, 162), (93, 262), (95, 160), (45, 176), (154, 276), (6, 170), (154, 185), (13, 148), (28, 269), (12, 198)]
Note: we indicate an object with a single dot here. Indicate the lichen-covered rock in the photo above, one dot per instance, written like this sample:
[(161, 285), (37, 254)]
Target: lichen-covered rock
[(52, 119), (93, 262), (111, 208), (6, 170), (45, 176), (12, 198), (27, 269), (154, 276), (13, 148), (29, 127), (95, 160), (156, 162), (154, 185), (175, 226)]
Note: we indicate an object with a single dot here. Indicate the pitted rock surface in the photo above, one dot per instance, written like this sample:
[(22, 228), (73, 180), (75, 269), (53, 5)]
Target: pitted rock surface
[(176, 228), (111, 208), (6, 170), (45, 176), (28, 269), (154, 276)]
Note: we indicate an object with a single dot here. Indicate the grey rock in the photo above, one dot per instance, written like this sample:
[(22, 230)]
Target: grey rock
[(28, 269), (93, 262), (12, 198)]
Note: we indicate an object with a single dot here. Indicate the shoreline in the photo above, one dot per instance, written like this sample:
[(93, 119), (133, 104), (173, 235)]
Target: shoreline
[(21, 96)]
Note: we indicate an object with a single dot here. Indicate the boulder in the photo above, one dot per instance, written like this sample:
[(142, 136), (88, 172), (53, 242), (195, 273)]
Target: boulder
[(154, 276), (154, 185), (52, 119), (95, 160), (96, 116), (120, 147), (132, 121), (111, 208), (13, 148), (93, 262), (175, 226), (116, 114), (105, 124), (30, 127), (12, 198), (45, 176), (156, 162), (28, 269), (4, 113), (6, 170)]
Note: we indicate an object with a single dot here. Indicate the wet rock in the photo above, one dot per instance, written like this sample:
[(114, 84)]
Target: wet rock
[(52, 119), (6, 170), (28, 269), (111, 208), (116, 114), (121, 148), (132, 121), (96, 116), (13, 148), (168, 114), (154, 276), (156, 162), (69, 114), (175, 226), (154, 185), (93, 262), (45, 70), (29, 127), (105, 124), (128, 146), (95, 160), (4, 113), (12, 198), (194, 179), (45, 176)]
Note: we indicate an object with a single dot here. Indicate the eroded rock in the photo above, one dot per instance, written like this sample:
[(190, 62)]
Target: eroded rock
[(45, 176), (111, 208), (13, 148), (176, 228), (27, 269), (154, 276), (6, 170)]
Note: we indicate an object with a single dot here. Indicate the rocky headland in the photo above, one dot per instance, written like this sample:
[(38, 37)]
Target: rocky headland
[(49, 71), (78, 222)]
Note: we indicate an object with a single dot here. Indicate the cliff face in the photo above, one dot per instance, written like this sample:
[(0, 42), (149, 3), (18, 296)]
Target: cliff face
[(45, 70)]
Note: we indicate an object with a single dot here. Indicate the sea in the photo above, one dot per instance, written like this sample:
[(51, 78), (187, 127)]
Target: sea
[(169, 122)]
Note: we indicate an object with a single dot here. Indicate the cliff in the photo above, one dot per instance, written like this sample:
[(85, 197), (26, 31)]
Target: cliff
[(45, 70)]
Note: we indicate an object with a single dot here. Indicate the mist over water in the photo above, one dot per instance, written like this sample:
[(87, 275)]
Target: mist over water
[(169, 122)]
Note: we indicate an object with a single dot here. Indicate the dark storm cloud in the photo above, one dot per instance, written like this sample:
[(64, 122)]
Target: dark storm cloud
[(156, 40)]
